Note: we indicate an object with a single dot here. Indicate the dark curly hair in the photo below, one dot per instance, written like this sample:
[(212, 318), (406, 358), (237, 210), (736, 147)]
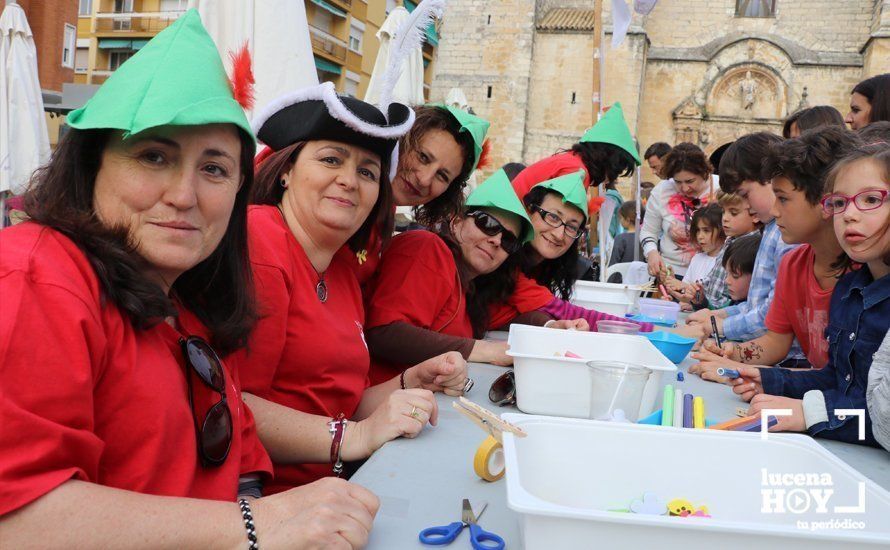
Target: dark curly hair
[(559, 274), (744, 159), (485, 290), (877, 90), (268, 190), (604, 162), (449, 203), (689, 157), (219, 290), (805, 161)]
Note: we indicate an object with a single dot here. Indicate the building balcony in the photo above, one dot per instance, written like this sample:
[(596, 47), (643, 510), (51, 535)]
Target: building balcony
[(327, 45), (134, 22), (347, 4)]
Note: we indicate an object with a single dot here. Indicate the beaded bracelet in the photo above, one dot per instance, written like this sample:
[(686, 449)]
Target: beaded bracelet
[(252, 543)]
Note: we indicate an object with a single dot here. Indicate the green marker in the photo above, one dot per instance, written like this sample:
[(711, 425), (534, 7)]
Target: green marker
[(667, 407)]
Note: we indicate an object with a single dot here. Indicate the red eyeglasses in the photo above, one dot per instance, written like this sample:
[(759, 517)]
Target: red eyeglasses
[(870, 199)]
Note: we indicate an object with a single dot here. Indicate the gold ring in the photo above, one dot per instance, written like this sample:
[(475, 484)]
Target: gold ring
[(414, 414)]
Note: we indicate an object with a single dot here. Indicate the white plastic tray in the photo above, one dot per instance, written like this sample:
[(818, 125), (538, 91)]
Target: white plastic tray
[(616, 299), (560, 386), (564, 477)]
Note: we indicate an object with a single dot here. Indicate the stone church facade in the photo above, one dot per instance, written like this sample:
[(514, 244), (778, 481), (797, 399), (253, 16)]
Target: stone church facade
[(690, 70)]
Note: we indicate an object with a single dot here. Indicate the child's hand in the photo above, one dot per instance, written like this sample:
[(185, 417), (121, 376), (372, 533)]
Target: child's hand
[(748, 384), (692, 331), (570, 324), (702, 316), (725, 351), (794, 423)]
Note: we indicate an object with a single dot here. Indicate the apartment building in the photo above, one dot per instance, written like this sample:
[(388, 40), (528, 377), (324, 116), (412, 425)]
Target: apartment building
[(343, 35)]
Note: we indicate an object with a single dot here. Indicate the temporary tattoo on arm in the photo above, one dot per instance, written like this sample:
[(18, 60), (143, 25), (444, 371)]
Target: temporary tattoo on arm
[(750, 352)]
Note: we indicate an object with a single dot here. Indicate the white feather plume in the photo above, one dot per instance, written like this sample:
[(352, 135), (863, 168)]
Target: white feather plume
[(409, 36)]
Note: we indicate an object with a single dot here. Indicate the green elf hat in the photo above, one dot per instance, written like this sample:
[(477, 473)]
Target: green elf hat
[(176, 79), (613, 129), (571, 187), (496, 192), (473, 125)]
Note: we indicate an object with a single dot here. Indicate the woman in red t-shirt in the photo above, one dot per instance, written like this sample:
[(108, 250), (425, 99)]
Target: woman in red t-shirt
[(433, 290), (307, 363), (111, 399), (436, 158)]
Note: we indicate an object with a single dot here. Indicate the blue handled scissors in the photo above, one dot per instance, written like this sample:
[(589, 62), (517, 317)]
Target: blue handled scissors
[(445, 534)]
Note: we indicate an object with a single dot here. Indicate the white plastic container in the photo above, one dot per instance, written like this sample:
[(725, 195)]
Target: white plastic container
[(560, 386), (662, 310), (612, 298), (564, 477)]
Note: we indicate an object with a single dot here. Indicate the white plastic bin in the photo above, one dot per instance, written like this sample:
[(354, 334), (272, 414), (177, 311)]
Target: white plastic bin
[(564, 477), (612, 298), (560, 386)]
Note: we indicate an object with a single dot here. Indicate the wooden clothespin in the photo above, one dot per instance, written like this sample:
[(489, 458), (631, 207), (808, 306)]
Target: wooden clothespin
[(487, 420)]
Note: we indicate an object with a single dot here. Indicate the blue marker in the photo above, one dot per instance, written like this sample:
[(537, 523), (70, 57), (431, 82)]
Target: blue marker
[(729, 373), (679, 377), (771, 421)]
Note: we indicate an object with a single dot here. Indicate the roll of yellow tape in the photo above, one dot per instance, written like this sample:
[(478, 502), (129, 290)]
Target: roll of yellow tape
[(489, 460)]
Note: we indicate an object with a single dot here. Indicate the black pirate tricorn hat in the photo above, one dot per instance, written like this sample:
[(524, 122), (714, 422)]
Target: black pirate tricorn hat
[(318, 112)]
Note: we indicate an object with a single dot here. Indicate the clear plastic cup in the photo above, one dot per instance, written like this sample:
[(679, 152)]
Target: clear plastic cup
[(616, 385), (617, 327)]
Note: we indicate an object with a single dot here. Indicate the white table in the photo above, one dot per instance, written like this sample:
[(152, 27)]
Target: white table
[(421, 482)]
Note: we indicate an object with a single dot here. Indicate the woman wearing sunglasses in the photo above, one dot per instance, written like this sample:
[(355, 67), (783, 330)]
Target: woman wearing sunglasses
[(305, 373), (558, 212), (112, 400), (433, 290)]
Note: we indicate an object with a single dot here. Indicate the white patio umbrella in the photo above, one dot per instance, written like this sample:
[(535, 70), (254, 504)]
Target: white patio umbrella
[(409, 86), (24, 141), (278, 35)]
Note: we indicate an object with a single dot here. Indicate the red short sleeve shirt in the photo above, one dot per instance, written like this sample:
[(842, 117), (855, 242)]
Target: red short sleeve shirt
[(85, 395), (304, 354), (528, 296), (800, 305), (417, 283)]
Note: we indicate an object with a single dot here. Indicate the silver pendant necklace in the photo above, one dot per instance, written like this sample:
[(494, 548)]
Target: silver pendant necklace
[(321, 290)]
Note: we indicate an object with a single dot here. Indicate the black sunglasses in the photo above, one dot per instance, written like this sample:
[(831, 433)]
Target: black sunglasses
[(215, 432), (490, 225), (503, 390)]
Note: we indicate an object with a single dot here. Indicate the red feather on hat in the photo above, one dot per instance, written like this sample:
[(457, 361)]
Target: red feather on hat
[(242, 77), (594, 204), (484, 156)]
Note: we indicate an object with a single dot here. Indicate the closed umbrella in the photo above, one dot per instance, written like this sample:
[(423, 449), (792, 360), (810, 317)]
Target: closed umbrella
[(24, 141), (408, 88), (277, 33)]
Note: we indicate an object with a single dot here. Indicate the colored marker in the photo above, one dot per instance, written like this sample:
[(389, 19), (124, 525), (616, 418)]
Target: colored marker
[(667, 406), (680, 376), (698, 413), (678, 409), (729, 373), (716, 334), (737, 424), (687, 411), (756, 427)]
